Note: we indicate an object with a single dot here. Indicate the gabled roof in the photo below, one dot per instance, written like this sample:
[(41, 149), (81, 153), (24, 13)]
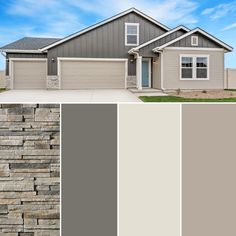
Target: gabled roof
[(159, 37), (103, 23), (28, 44), (224, 45)]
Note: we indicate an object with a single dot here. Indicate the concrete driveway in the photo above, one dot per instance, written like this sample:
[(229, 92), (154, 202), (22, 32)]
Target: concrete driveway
[(67, 96)]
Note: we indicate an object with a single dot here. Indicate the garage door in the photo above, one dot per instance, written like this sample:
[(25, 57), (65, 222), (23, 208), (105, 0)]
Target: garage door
[(29, 74), (92, 74)]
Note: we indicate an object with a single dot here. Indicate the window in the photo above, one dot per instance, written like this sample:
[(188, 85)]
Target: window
[(131, 34), (187, 67), (194, 40), (194, 67)]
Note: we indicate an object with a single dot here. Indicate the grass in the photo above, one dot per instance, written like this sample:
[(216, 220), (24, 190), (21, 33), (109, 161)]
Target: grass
[(232, 90), (181, 99), (2, 90)]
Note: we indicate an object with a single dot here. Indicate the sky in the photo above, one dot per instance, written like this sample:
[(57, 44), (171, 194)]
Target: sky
[(59, 18)]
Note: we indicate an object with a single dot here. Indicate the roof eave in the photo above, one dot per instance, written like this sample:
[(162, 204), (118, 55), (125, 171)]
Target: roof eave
[(224, 45), (160, 37), (20, 51)]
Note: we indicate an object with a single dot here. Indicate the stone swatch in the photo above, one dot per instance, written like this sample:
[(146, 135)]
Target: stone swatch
[(29, 170)]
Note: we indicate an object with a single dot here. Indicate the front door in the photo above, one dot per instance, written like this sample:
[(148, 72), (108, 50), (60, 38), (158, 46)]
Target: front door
[(145, 73)]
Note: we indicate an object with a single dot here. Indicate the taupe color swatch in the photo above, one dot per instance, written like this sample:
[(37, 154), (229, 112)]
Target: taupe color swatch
[(209, 193), (149, 170), (89, 170)]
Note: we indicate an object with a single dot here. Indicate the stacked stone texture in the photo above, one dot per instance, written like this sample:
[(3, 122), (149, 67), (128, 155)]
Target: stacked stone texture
[(29, 170)]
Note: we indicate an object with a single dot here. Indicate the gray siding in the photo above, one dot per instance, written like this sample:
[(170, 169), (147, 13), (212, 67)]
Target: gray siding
[(147, 50), (22, 55), (203, 42), (107, 41)]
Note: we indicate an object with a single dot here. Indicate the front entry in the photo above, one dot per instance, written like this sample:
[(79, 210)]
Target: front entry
[(146, 73)]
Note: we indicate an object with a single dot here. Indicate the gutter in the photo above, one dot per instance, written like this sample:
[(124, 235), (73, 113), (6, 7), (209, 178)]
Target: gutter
[(3, 54), (20, 51)]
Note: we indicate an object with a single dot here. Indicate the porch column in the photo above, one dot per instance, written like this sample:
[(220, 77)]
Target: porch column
[(139, 72)]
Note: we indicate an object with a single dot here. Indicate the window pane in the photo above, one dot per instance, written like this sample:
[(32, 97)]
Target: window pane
[(201, 61), (132, 39), (187, 73), (201, 73), (132, 29), (187, 61)]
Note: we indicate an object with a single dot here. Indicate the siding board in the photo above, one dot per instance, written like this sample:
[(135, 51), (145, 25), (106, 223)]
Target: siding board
[(172, 70), (107, 41), (203, 41)]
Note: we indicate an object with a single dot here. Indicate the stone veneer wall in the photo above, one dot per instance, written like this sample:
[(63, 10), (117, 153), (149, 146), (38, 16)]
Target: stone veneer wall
[(29, 170), (52, 82)]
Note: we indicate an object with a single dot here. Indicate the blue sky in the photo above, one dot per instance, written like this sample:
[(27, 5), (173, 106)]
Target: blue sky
[(59, 18)]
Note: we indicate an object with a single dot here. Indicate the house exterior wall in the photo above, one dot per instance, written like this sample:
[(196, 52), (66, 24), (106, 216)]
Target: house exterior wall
[(203, 42), (230, 79), (171, 70), (22, 55), (2, 79), (106, 41), (157, 74), (147, 50)]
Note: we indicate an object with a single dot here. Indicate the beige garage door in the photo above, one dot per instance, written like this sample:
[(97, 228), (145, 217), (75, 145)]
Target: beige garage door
[(92, 74), (29, 74)]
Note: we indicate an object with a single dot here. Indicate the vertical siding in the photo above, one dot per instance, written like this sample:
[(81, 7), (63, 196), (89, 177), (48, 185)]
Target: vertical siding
[(147, 50), (203, 42), (107, 41), (172, 70), (22, 55)]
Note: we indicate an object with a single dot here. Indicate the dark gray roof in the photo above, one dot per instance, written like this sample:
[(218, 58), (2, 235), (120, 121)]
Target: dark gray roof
[(29, 43)]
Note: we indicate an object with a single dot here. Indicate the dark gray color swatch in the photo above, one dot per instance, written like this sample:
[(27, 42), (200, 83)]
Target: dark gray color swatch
[(209, 193), (89, 170)]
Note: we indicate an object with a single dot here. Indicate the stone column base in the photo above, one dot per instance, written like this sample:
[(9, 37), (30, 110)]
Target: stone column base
[(131, 81), (52, 82), (8, 82)]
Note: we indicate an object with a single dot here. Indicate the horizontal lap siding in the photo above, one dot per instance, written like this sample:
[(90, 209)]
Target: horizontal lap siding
[(172, 70), (107, 41)]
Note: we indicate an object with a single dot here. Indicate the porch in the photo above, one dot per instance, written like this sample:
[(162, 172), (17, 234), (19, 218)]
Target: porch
[(148, 73)]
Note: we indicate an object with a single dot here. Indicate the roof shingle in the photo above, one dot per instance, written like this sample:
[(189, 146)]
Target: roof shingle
[(29, 43)]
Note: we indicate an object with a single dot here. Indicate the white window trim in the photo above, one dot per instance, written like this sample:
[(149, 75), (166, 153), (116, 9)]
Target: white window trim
[(126, 26), (192, 40), (194, 67)]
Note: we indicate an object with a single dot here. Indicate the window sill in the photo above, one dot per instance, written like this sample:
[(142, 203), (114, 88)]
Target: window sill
[(195, 79)]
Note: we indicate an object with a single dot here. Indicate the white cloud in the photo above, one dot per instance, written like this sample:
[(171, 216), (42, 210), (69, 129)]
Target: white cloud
[(220, 10), (167, 11), (232, 26), (49, 18)]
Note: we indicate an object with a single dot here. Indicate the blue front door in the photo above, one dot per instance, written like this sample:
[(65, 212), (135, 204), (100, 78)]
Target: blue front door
[(145, 73)]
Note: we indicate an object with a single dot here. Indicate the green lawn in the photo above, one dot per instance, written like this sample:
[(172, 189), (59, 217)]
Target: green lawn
[(180, 99)]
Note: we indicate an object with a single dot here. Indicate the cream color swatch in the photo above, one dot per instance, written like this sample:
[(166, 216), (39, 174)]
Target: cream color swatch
[(149, 201)]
